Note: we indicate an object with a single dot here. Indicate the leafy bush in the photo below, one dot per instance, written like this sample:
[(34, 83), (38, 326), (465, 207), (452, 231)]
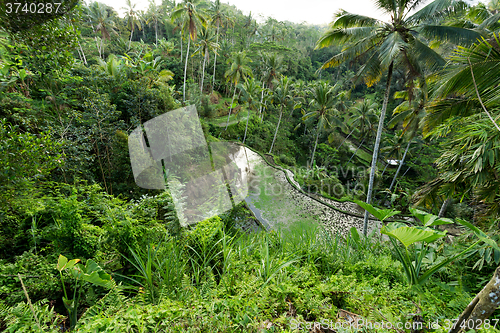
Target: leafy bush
[(38, 274)]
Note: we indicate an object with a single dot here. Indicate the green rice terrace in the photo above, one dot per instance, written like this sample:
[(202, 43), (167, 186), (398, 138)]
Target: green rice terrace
[(191, 166)]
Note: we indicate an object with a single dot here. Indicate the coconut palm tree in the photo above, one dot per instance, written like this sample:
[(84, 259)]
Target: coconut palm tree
[(323, 103), (191, 18), (466, 86), (238, 71), (467, 92), (154, 17), (400, 42), (272, 67), (267, 97), (132, 18), (250, 89), (282, 95), (484, 17), (218, 19), (205, 45), (100, 21), (364, 115), (394, 148), (359, 112), (177, 26)]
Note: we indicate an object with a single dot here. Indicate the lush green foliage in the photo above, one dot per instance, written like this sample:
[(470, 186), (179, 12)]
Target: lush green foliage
[(97, 253)]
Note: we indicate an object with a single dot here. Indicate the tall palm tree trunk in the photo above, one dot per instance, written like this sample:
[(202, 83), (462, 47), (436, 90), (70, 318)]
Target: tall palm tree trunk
[(231, 107), (203, 70), (386, 164), (181, 44), (83, 54), (399, 166), (276, 132), (79, 54), (102, 49), (156, 33), (130, 41), (215, 58), (98, 47), (185, 72), (377, 146), (315, 145), (81, 49), (261, 97)]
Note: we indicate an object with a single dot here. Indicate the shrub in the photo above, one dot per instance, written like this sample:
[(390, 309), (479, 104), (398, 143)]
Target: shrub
[(287, 160), (204, 249), (39, 277)]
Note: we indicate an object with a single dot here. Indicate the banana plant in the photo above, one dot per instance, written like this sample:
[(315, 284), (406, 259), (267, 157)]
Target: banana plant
[(114, 67), (90, 273)]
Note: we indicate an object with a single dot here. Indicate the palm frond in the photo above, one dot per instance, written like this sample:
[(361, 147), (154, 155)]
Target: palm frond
[(455, 35), (350, 20), (340, 36), (371, 71), (428, 56), (352, 51), (490, 22), (436, 10), (390, 48), (439, 111)]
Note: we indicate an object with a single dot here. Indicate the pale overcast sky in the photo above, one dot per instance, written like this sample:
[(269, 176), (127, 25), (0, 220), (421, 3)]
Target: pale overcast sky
[(311, 11)]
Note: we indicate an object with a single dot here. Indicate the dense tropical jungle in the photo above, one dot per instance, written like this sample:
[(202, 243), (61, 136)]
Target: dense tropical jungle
[(382, 137)]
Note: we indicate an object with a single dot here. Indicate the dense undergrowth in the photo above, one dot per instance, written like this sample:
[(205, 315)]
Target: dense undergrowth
[(212, 278)]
